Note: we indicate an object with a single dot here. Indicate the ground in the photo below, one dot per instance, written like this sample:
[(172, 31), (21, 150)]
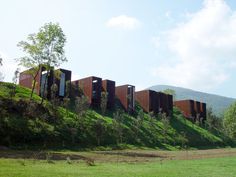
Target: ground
[(189, 163)]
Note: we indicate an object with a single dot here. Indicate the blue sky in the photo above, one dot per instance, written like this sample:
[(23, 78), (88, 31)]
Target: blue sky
[(183, 43)]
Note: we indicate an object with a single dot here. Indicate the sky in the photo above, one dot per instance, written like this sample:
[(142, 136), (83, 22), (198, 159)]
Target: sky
[(184, 43)]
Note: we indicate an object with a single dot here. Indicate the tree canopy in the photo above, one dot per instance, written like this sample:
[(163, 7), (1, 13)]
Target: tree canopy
[(229, 121)]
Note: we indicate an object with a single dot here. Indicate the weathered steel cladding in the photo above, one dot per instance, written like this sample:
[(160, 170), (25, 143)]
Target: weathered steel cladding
[(125, 94), (187, 108), (148, 100), (203, 110), (92, 88), (26, 80), (63, 83), (197, 109), (109, 87)]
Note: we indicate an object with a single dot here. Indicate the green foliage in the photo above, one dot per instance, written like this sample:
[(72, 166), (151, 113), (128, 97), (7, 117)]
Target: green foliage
[(229, 121), (104, 97), (24, 121), (43, 49)]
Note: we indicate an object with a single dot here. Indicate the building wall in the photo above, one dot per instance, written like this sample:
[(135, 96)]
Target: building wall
[(109, 87), (26, 80), (187, 108), (86, 85), (122, 95), (203, 110)]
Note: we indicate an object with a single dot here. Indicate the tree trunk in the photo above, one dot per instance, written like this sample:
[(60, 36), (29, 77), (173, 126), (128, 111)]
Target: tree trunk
[(44, 86), (34, 83)]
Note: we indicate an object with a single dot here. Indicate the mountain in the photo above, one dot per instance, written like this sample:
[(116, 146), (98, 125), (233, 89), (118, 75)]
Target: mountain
[(216, 102)]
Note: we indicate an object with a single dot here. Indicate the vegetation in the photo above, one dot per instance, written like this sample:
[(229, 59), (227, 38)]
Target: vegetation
[(27, 123), (229, 121), (212, 167), (44, 49)]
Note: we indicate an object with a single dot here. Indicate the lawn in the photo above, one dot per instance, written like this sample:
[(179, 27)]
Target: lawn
[(164, 167)]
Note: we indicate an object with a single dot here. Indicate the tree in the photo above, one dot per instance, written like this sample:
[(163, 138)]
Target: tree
[(99, 129), (43, 49), (229, 121), (81, 106), (118, 117), (104, 97), (1, 76), (212, 121), (14, 80)]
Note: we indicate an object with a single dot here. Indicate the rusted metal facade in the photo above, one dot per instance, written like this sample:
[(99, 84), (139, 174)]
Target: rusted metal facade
[(148, 100), (62, 81), (109, 87), (126, 96), (197, 109), (26, 80), (92, 88), (187, 108), (203, 110), (169, 104)]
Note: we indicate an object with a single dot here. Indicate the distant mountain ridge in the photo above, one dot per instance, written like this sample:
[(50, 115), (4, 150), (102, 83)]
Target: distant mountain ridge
[(218, 103)]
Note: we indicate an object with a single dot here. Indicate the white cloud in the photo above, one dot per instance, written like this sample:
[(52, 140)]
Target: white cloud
[(204, 47), (168, 14), (123, 22)]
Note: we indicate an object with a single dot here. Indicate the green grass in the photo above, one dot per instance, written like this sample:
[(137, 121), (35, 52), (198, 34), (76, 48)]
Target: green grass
[(215, 167)]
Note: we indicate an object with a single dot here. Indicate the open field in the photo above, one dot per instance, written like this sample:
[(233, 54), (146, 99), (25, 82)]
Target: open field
[(215, 162)]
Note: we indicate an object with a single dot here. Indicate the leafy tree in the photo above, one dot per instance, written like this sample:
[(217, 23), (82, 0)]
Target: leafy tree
[(229, 121), (81, 106), (43, 49), (118, 117), (138, 122), (14, 80), (99, 130), (104, 97), (213, 123), (1, 76)]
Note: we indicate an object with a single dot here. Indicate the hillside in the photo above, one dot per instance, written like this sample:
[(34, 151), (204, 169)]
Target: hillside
[(27, 123), (216, 102)]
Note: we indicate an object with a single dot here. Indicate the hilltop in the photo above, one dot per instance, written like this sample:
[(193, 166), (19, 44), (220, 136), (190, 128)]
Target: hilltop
[(27, 123), (216, 102)]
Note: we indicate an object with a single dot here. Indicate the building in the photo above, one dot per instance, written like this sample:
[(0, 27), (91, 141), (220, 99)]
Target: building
[(109, 87), (148, 100), (187, 108), (91, 88), (43, 86), (194, 110), (203, 111), (197, 109), (125, 94)]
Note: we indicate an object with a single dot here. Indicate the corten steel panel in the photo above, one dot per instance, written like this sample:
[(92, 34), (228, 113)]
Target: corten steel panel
[(147, 100), (109, 87), (170, 104), (197, 109), (59, 83), (91, 89), (187, 108), (26, 80), (125, 94), (203, 110), (163, 102)]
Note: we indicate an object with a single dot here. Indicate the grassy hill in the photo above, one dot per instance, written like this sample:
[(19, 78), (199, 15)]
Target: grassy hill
[(25, 122), (216, 102)]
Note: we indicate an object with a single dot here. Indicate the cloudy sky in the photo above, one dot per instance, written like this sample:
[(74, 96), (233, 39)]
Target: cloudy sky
[(184, 43)]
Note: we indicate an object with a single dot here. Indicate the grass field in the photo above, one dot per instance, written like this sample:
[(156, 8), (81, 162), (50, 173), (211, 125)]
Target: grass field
[(209, 163)]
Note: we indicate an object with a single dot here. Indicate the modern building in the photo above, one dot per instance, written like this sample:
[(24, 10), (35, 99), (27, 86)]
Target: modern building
[(109, 87), (43, 86), (125, 94), (91, 88), (148, 100), (187, 108), (194, 110)]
